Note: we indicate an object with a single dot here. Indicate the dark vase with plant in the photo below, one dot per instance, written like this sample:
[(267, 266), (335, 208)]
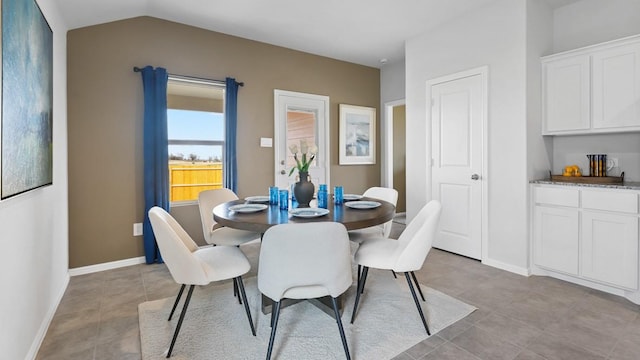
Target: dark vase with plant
[(303, 189)]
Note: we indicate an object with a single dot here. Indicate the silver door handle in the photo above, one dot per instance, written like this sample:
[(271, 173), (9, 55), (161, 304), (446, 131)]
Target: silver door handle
[(283, 172), (475, 177)]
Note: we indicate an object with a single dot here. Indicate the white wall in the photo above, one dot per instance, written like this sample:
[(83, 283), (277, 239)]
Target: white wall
[(589, 22), (539, 43), (584, 23), (392, 82), (33, 231), (493, 36), (392, 89)]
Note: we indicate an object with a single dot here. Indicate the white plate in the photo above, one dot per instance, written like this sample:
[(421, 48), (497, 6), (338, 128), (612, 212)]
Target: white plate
[(248, 208), (349, 197), (257, 199), (308, 212), (362, 204)]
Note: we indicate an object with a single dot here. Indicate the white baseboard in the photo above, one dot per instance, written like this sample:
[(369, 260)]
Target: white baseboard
[(507, 267), (106, 266), (39, 338), (633, 296)]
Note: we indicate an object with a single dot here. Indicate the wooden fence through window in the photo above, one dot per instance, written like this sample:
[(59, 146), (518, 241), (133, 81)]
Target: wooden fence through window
[(187, 180)]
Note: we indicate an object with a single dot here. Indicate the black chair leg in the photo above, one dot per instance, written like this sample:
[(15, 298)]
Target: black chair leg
[(274, 326), (235, 290), (394, 274), (364, 279), (184, 311), (175, 304), (273, 312), (358, 292), (359, 271), (415, 280), (415, 299), (246, 304), (339, 321)]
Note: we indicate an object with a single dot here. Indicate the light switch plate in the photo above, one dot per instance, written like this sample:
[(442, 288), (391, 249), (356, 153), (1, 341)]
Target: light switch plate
[(266, 142), (137, 229)]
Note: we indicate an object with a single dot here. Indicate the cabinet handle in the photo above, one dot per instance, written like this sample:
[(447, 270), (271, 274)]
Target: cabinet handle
[(475, 177)]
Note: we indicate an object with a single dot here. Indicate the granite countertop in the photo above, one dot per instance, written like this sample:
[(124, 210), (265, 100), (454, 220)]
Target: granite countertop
[(628, 185)]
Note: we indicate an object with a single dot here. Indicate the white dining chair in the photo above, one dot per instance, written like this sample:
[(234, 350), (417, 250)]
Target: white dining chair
[(389, 195), (386, 194), (191, 265), (304, 261), (407, 254), (215, 234)]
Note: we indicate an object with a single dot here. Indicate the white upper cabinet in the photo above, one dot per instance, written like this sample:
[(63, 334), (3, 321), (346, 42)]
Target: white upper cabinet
[(566, 98), (592, 90), (616, 88)]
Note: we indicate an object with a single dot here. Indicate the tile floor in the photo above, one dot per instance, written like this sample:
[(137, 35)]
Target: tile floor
[(519, 318)]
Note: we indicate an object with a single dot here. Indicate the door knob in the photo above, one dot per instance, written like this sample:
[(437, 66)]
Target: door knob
[(475, 177), (283, 172), (281, 162)]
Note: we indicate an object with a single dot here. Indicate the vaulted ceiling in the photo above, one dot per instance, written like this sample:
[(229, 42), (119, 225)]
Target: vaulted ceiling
[(359, 31)]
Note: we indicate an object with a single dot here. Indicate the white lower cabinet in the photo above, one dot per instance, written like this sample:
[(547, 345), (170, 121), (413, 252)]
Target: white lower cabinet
[(556, 239), (586, 233), (610, 248)]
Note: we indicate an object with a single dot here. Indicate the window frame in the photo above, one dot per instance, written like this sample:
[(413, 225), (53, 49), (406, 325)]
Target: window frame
[(214, 84)]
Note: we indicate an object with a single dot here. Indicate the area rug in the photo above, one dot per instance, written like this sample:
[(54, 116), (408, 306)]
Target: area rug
[(216, 326)]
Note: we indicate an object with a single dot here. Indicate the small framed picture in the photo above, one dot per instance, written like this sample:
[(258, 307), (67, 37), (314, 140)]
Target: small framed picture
[(357, 135)]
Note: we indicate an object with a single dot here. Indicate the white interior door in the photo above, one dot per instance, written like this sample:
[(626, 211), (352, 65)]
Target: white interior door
[(300, 116), (457, 116)]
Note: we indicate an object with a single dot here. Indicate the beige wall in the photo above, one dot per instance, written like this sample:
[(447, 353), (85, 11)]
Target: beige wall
[(399, 155), (105, 106)]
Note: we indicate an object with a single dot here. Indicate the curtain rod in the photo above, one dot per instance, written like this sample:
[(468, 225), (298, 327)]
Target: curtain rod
[(190, 78)]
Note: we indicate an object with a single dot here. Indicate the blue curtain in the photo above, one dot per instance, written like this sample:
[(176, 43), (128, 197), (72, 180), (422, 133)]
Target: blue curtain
[(156, 153), (230, 166)]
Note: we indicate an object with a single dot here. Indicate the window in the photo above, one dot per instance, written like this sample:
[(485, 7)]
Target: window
[(301, 125), (195, 124)]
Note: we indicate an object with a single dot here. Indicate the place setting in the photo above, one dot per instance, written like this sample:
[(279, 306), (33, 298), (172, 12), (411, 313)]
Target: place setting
[(260, 199), (362, 205), (247, 208), (351, 197), (308, 212), (253, 204)]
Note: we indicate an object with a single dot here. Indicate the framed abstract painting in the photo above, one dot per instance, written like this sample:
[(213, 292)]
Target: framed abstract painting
[(357, 135), (27, 99)]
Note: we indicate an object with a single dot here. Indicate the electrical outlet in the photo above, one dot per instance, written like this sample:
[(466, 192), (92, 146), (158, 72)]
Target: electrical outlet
[(137, 229)]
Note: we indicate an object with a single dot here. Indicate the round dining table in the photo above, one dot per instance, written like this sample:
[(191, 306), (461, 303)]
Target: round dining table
[(260, 221)]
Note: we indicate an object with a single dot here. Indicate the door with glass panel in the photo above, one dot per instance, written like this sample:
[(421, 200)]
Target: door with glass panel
[(300, 118)]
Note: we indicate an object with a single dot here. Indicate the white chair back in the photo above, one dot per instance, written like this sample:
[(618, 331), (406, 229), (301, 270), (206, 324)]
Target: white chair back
[(177, 248), (387, 194), (207, 200), (304, 261), (417, 238)]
